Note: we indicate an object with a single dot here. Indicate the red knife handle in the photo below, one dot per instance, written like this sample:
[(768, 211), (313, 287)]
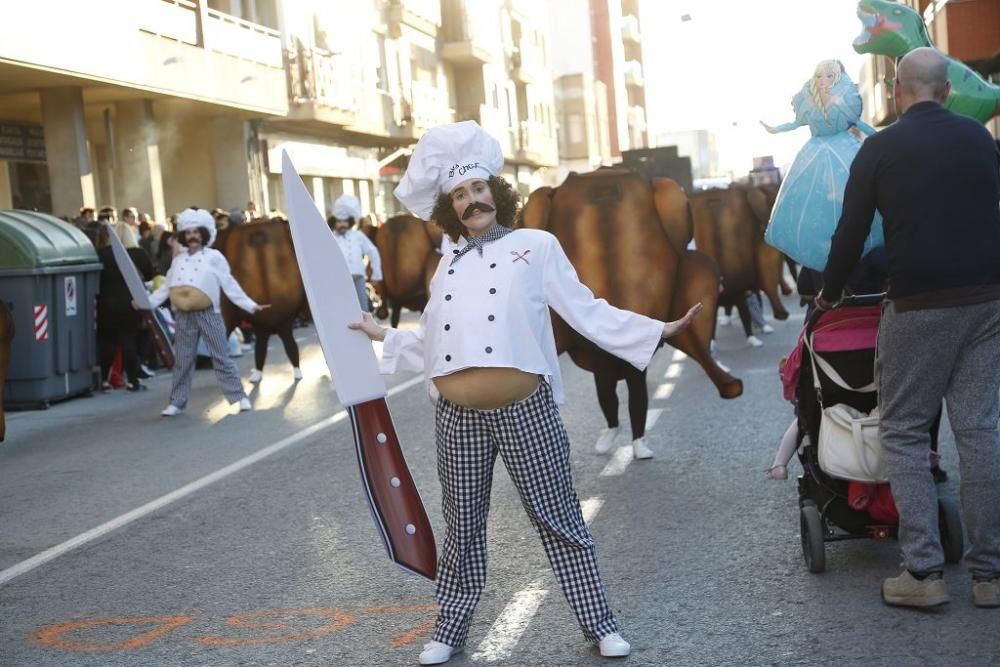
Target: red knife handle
[(164, 350), (392, 495)]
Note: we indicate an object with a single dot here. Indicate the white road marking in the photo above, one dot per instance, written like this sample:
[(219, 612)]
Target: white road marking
[(664, 391), (619, 461), (590, 507), (652, 417), (511, 624), (52, 553), (674, 370), (678, 356), (516, 616)]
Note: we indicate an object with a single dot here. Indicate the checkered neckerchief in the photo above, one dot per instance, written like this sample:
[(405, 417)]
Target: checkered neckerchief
[(497, 231)]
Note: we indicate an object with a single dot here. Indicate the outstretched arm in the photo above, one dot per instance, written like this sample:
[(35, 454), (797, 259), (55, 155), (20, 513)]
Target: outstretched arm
[(784, 127)]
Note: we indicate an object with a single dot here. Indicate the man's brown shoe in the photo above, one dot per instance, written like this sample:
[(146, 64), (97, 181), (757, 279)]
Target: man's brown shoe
[(908, 591), (986, 593)]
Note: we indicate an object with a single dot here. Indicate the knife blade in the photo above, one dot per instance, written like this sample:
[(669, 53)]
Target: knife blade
[(133, 281), (131, 275), (389, 488)]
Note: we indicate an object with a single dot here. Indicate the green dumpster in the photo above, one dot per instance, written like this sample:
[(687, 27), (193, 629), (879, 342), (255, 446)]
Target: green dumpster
[(49, 277)]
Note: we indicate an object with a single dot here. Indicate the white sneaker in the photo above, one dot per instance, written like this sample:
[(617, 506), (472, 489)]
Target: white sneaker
[(767, 328), (297, 373), (606, 440), (724, 320), (436, 653), (245, 405), (171, 410), (613, 646), (753, 341), (256, 376), (639, 451)]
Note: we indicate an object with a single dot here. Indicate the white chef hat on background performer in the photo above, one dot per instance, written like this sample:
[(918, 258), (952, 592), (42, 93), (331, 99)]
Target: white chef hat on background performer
[(347, 207), (445, 157), (193, 218)]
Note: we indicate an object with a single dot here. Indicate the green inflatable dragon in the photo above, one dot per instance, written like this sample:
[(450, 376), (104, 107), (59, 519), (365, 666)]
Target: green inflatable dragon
[(893, 29)]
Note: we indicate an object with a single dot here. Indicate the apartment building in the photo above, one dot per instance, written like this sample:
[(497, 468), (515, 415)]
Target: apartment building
[(964, 29), (161, 104), (149, 103), (600, 90), (497, 55)]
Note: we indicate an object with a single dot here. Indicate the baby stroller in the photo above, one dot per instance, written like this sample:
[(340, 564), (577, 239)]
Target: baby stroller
[(845, 339)]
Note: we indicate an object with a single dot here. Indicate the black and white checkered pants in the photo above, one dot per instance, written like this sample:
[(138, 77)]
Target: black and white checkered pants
[(206, 323), (530, 438)]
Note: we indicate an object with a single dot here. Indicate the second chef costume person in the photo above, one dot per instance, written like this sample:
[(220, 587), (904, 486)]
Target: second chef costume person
[(197, 276), (355, 245), (485, 340)]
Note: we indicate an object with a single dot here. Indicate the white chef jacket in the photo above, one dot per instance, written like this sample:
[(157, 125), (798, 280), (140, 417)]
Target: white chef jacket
[(355, 245), (207, 270), (493, 311)]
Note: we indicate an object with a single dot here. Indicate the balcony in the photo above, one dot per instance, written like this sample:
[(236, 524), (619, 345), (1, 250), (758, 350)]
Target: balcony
[(463, 40), (526, 63), (630, 30), (424, 15), (429, 107), (536, 145), (164, 47), (322, 86), (633, 73)]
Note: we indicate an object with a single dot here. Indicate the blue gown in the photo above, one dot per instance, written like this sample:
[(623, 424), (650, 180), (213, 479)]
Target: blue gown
[(811, 197)]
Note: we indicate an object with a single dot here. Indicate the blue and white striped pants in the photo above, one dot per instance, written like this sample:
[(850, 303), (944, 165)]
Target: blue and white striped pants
[(209, 325)]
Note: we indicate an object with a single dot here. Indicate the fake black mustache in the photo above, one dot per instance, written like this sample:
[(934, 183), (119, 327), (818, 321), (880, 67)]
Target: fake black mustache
[(476, 206)]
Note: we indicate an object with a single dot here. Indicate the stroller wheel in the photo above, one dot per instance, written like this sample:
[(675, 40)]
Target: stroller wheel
[(811, 531), (950, 527)]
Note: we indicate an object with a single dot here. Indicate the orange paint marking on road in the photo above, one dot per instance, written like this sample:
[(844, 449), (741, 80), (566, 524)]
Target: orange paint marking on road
[(413, 634), (339, 620), (52, 636)]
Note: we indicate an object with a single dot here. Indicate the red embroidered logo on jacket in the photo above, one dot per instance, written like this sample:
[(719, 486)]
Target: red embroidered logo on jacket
[(520, 255)]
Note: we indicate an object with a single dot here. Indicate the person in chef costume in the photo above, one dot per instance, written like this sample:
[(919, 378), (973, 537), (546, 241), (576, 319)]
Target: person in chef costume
[(485, 340), (197, 277), (355, 246)]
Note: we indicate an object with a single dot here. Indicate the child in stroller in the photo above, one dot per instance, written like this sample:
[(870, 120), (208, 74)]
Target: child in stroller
[(834, 509)]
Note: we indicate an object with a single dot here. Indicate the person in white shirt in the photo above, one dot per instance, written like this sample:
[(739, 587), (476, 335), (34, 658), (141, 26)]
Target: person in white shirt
[(355, 245), (485, 340), (194, 281)]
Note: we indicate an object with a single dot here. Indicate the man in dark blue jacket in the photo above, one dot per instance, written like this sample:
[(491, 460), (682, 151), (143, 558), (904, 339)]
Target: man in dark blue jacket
[(935, 177)]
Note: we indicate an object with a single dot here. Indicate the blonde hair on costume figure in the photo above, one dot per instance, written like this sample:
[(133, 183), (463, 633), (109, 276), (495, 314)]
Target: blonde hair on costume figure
[(834, 67)]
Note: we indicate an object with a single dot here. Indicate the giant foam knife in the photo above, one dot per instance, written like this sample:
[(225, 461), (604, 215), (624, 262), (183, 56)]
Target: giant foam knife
[(164, 350), (392, 495)]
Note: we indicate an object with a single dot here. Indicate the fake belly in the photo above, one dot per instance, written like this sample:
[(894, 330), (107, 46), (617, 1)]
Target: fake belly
[(188, 298), (487, 388)]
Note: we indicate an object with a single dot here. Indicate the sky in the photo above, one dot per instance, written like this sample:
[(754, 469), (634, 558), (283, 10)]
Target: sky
[(736, 62)]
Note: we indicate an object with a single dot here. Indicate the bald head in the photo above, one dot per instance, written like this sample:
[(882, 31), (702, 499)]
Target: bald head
[(922, 75)]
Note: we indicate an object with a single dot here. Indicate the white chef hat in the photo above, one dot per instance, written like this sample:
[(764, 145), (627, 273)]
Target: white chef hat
[(444, 157), (347, 206), (192, 218)]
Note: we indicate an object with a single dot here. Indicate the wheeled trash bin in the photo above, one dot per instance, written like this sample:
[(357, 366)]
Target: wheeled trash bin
[(49, 277)]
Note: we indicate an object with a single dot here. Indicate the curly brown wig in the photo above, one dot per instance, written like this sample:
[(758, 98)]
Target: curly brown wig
[(505, 198)]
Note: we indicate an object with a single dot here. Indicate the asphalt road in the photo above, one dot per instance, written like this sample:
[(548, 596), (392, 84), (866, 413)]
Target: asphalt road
[(217, 538)]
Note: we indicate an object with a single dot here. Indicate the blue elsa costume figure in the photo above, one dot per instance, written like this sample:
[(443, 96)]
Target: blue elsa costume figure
[(811, 197)]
